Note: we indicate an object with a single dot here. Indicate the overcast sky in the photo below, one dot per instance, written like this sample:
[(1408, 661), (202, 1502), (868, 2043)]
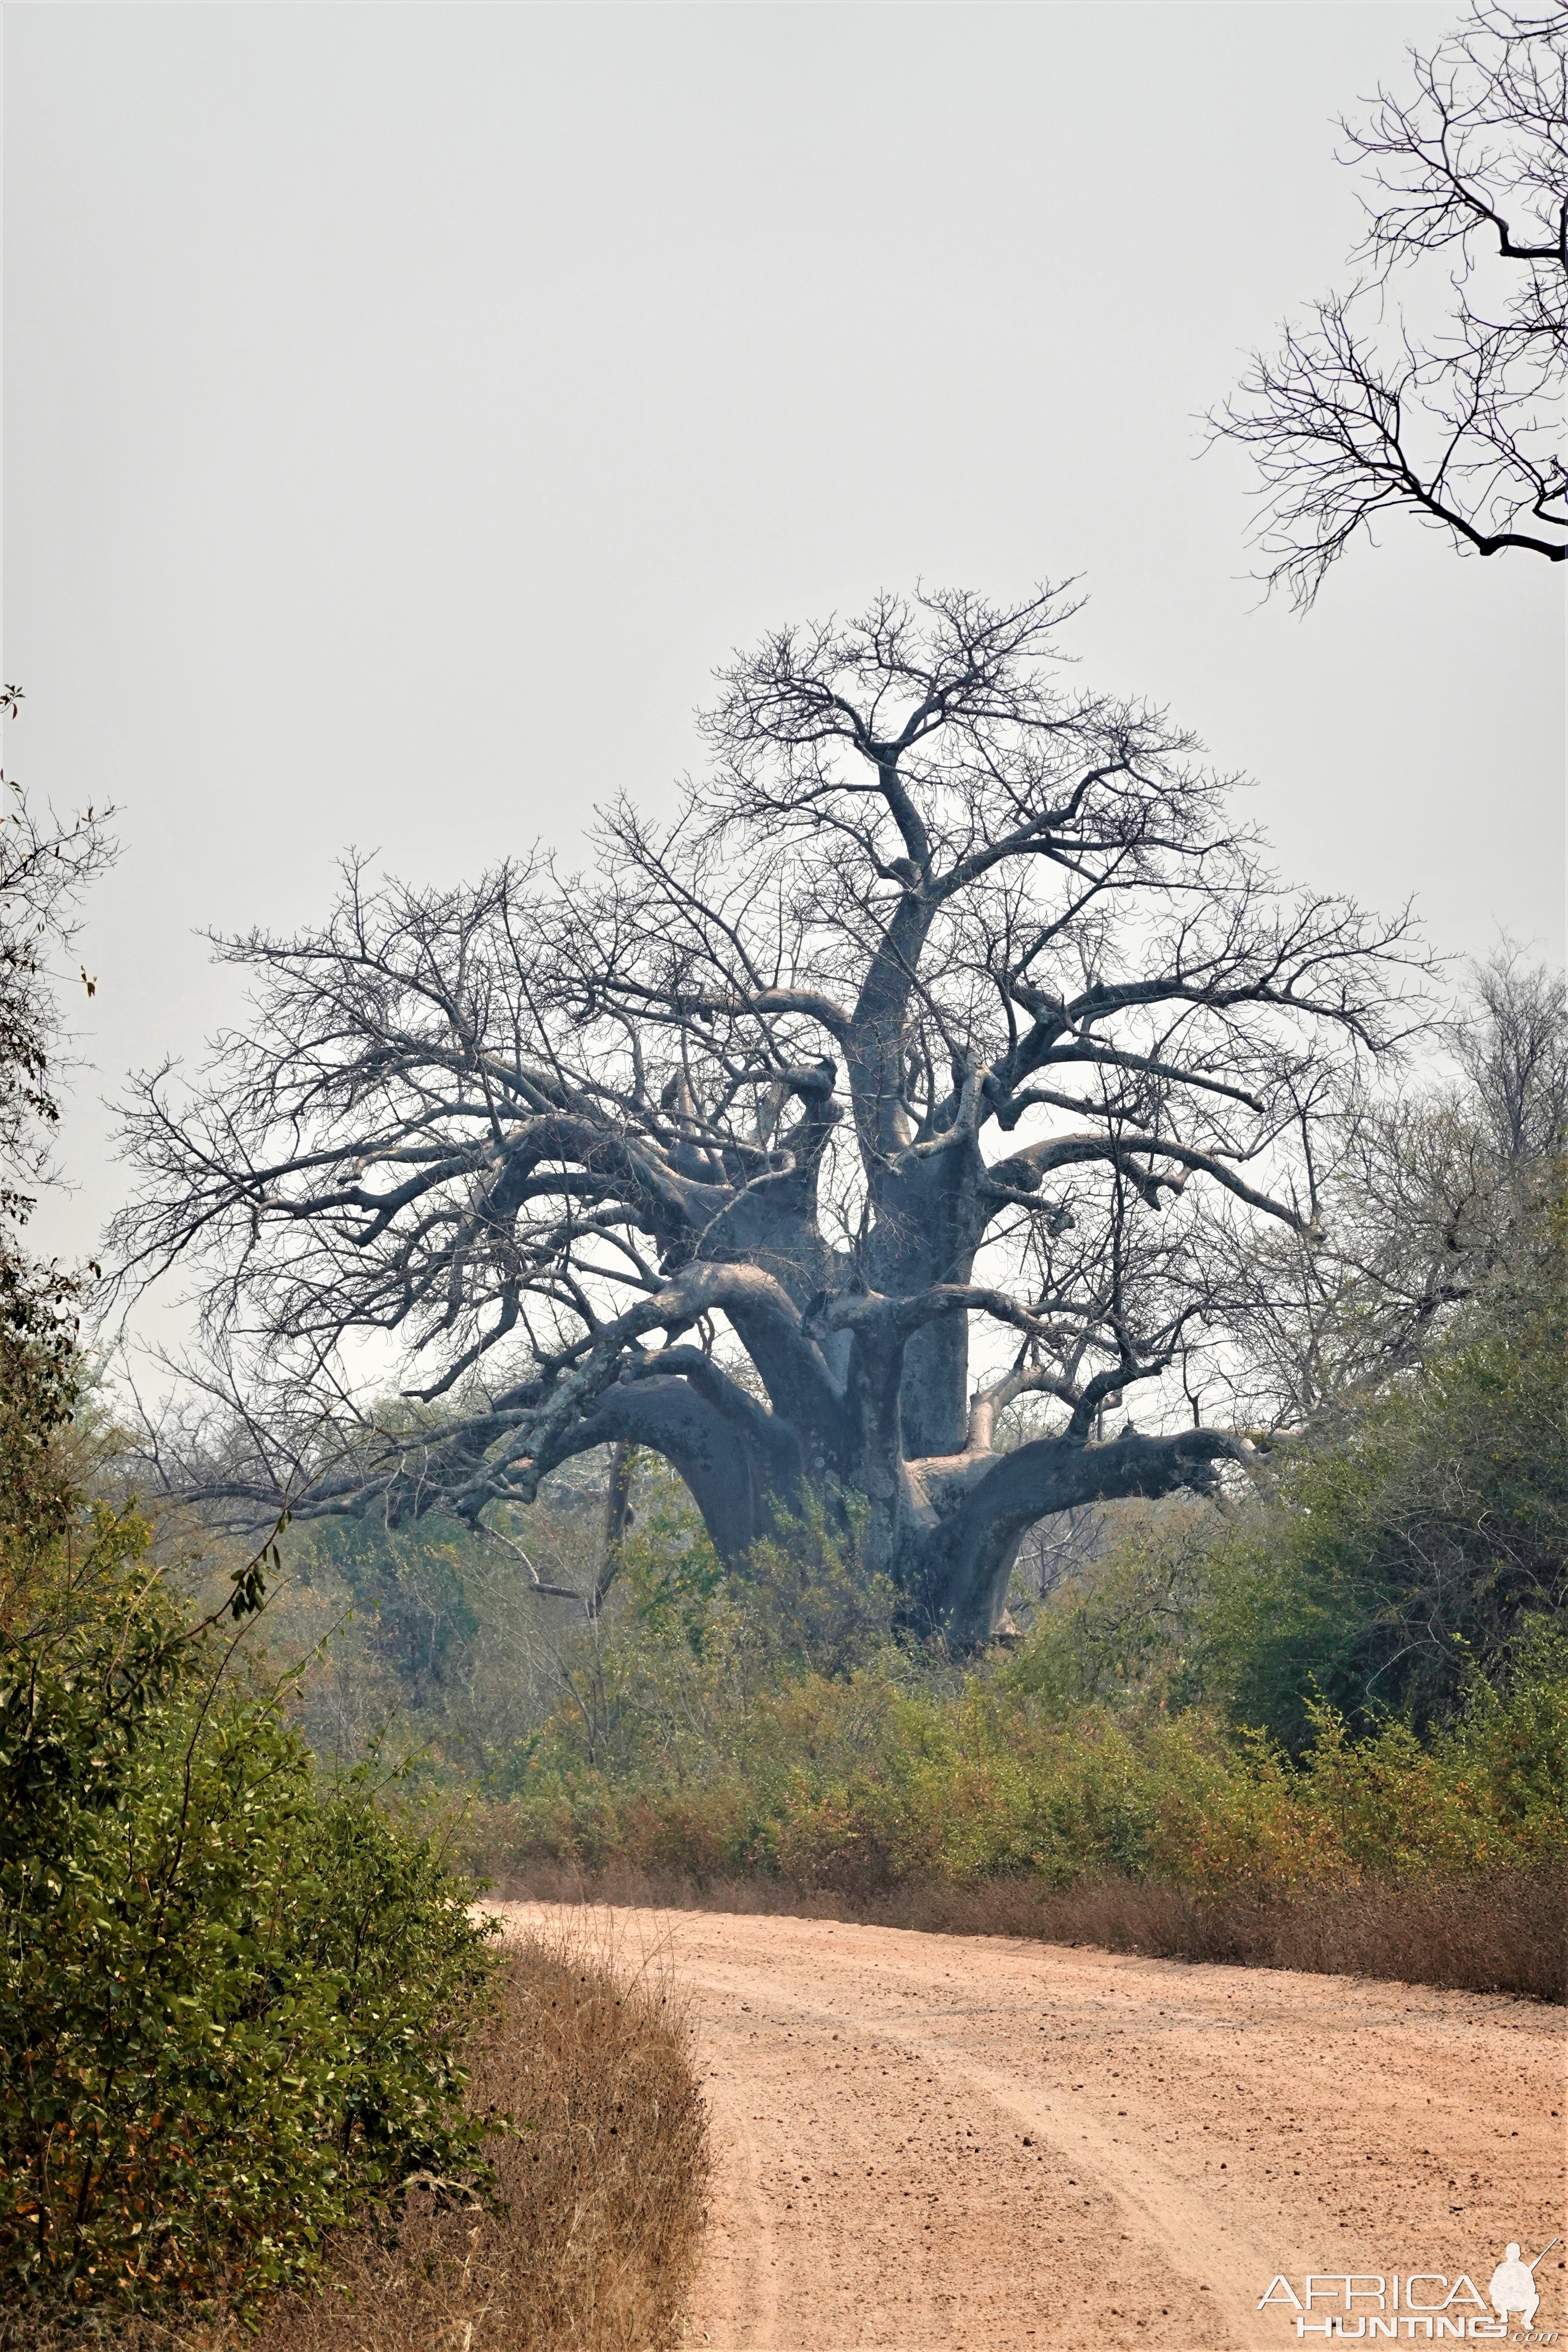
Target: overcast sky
[(406, 408)]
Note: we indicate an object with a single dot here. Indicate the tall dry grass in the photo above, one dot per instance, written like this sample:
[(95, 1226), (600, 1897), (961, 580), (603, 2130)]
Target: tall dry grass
[(603, 2185), (1505, 1933)]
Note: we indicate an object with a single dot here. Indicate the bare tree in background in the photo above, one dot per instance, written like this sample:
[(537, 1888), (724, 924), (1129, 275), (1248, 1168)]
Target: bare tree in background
[(1453, 414), (895, 1077), (1427, 1193)]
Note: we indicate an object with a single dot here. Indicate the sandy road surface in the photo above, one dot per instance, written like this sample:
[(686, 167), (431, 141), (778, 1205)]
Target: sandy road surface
[(938, 2141)]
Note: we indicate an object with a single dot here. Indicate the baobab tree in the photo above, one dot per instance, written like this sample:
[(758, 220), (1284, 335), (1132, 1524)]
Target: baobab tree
[(904, 1073)]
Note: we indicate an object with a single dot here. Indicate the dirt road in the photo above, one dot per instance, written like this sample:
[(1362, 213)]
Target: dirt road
[(937, 2141)]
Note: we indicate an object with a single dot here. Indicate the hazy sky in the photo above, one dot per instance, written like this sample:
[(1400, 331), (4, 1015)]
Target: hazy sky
[(407, 407)]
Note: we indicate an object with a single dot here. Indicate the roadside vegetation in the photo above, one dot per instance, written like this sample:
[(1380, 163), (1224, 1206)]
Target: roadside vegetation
[(1249, 1732), (593, 2234), (233, 2001), (1319, 1719), (262, 2061), (1320, 1723)]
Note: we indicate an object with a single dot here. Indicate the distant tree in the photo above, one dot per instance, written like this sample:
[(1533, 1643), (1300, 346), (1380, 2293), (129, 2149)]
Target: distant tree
[(947, 1007), (1429, 1194), (1453, 414)]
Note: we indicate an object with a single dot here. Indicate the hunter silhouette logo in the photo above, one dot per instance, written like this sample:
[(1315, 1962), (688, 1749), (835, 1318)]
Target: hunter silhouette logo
[(1512, 2287)]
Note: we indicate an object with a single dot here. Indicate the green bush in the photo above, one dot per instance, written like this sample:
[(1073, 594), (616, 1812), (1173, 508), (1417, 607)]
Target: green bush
[(1419, 1536), (232, 2007), (1429, 1535), (688, 1653)]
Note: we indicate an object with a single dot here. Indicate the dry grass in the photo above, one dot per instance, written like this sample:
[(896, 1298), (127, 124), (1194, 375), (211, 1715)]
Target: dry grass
[(1508, 1933), (603, 2186)]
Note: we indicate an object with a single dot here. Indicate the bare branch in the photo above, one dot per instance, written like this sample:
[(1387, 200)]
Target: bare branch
[(1357, 414)]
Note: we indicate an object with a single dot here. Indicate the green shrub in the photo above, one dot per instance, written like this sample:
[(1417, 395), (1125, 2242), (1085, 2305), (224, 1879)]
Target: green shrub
[(232, 2008), (1426, 1537)]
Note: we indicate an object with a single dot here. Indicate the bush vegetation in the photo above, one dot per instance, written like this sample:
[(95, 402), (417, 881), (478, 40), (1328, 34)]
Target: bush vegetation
[(259, 2059), (233, 1998), (260, 2063), (233, 2001), (874, 1779)]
